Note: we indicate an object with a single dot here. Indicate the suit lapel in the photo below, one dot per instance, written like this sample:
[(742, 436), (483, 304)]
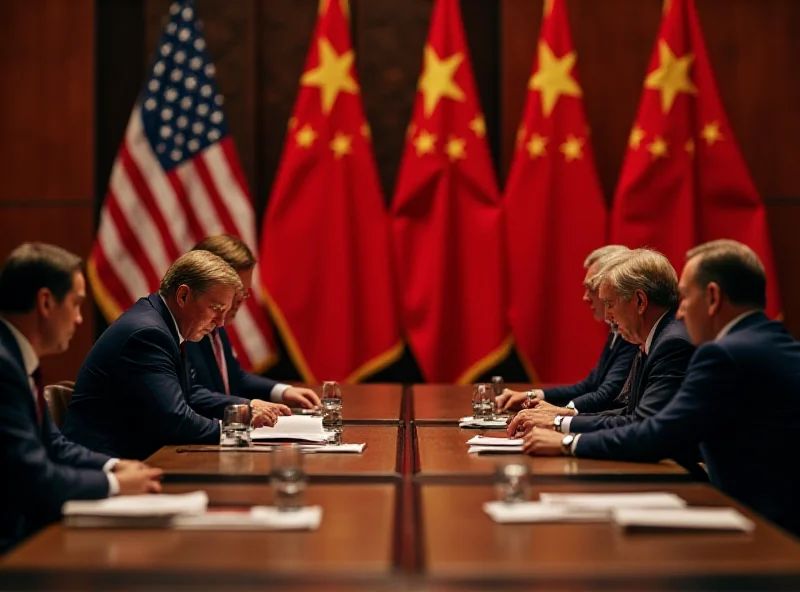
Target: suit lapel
[(183, 364), (10, 344)]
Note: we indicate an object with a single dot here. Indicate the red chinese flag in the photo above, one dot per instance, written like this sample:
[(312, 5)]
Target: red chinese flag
[(684, 180), (555, 214), (325, 239), (447, 225)]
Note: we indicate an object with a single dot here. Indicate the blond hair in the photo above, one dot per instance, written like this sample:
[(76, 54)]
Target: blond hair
[(199, 270), (645, 270), (603, 257), (734, 267), (230, 248)]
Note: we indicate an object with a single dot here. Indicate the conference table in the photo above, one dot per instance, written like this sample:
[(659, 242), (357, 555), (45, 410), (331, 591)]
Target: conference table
[(407, 514)]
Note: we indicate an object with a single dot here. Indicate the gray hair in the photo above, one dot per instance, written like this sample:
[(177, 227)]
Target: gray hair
[(199, 270), (604, 257), (734, 267), (646, 270)]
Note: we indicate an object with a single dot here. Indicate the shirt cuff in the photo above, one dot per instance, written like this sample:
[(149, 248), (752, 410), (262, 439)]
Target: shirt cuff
[(109, 466), (276, 394), (113, 484), (571, 405), (565, 424), (574, 445)]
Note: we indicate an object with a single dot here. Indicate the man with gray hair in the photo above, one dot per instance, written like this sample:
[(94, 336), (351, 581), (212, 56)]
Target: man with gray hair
[(598, 391), (743, 360), (640, 294), (131, 394)]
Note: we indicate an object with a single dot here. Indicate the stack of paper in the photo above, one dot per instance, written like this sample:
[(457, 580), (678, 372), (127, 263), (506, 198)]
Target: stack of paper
[(639, 519), (258, 518), (292, 428), (494, 445), (140, 511), (505, 513), (609, 501), (485, 424)]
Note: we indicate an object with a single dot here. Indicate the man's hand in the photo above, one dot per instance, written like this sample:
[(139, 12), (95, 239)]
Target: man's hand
[(545, 406), (520, 423), (266, 414), (305, 398), (135, 478), (514, 400), (127, 464), (539, 442)]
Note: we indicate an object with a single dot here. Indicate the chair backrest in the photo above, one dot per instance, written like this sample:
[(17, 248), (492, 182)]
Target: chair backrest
[(58, 397)]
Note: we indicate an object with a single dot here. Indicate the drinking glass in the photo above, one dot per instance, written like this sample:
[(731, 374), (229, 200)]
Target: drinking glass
[(235, 428), (512, 482), (288, 478)]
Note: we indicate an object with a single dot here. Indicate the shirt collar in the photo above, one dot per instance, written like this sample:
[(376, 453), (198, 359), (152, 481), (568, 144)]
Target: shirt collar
[(29, 358), (727, 328), (652, 334), (177, 330)]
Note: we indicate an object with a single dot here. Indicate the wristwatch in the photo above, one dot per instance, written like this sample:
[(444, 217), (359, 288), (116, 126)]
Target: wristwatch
[(566, 444), (557, 420)]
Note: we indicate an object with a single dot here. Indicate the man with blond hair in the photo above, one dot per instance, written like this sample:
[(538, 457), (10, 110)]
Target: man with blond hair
[(598, 391), (131, 394), (640, 295), (744, 361)]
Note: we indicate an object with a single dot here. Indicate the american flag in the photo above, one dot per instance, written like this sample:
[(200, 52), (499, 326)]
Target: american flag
[(176, 179)]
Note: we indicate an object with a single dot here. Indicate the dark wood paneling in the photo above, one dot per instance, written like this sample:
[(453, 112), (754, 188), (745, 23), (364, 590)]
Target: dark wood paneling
[(47, 99), (68, 227), (784, 220)]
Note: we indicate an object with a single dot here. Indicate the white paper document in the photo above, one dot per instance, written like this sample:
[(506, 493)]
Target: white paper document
[(522, 512), (494, 449), (488, 424), (488, 441), (150, 505), (301, 428), (258, 518), (681, 519), (334, 448), (607, 501)]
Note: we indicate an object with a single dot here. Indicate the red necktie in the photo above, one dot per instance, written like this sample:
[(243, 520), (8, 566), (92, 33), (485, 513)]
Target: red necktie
[(219, 354), (40, 402)]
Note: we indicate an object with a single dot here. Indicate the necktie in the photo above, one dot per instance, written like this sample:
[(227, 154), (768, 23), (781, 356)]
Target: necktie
[(219, 354), (627, 394), (38, 380)]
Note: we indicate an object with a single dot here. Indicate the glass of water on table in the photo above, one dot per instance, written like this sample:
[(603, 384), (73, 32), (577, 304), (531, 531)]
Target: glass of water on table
[(332, 409), (288, 478), (235, 428)]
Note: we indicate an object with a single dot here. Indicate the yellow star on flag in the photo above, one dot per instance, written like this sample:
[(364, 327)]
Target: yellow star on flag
[(424, 143), (572, 149), (554, 78), (658, 148), (636, 137), (671, 77), (537, 146), (548, 7), (437, 81), (456, 149), (711, 133), (478, 126), (292, 123), (341, 145), (332, 76), (305, 136)]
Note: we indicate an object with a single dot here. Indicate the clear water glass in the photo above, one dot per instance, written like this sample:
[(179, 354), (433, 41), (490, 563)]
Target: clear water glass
[(288, 478), (498, 386), (483, 404), (512, 482), (331, 407), (235, 428)]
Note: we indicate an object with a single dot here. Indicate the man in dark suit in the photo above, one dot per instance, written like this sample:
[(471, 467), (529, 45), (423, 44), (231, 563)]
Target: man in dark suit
[(600, 389), (640, 294), (213, 364), (744, 361), (41, 291), (130, 398)]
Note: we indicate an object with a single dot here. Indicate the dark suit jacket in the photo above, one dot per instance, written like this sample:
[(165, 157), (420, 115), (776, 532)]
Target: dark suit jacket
[(40, 468), (755, 367), (657, 380), (131, 394), (206, 376), (598, 391)]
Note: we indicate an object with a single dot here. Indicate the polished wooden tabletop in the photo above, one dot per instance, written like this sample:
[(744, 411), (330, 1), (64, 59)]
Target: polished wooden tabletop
[(367, 403), (446, 402), (595, 552), (442, 453), (380, 460), (355, 538)]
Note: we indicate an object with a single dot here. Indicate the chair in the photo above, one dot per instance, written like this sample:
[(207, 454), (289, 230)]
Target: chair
[(58, 397)]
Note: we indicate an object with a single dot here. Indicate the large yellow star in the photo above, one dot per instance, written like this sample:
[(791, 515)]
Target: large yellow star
[(332, 76), (456, 149), (437, 81), (424, 143), (554, 78), (658, 148), (572, 149), (711, 133), (671, 77), (636, 137), (341, 145), (537, 146), (305, 136)]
